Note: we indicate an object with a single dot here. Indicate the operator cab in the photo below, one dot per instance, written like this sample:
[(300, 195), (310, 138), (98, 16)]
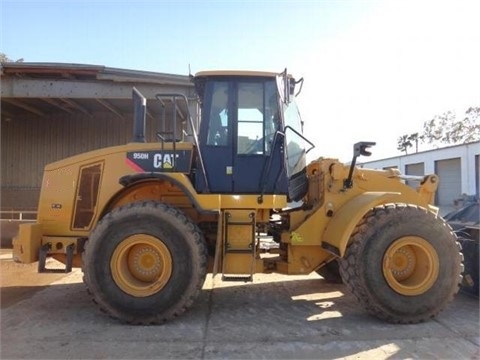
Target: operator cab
[(250, 136)]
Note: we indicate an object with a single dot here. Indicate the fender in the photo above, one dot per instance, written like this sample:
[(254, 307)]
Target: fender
[(129, 180), (340, 228)]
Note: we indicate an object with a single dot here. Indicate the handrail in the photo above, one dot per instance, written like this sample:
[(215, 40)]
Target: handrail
[(174, 97), (267, 165)]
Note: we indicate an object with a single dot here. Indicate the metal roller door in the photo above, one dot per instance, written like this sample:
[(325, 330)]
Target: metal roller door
[(477, 175), (450, 187), (417, 169)]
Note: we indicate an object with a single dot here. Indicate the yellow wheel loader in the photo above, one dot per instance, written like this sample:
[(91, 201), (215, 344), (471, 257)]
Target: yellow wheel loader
[(146, 221)]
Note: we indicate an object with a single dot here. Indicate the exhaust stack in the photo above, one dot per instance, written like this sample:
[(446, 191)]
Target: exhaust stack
[(139, 115)]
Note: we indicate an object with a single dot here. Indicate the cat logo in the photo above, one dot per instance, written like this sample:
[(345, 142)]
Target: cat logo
[(164, 161), (154, 160)]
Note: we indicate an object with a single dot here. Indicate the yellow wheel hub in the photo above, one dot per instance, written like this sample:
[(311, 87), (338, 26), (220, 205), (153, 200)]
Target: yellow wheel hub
[(410, 265), (141, 265)]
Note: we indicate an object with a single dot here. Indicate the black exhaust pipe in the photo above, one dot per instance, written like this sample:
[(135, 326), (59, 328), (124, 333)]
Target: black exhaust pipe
[(139, 115)]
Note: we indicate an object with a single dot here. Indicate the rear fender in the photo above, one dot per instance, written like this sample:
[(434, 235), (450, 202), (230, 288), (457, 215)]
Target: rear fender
[(147, 180), (344, 221)]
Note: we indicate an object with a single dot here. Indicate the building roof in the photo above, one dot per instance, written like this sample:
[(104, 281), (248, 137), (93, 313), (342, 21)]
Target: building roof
[(88, 72), (421, 154), (43, 88)]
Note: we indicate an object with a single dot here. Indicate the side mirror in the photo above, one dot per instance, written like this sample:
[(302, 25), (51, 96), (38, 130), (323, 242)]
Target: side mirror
[(359, 149)]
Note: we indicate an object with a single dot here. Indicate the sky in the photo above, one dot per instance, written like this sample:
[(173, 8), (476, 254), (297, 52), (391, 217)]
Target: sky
[(373, 70)]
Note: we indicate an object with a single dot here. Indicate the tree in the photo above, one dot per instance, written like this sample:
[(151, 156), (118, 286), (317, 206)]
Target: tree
[(404, 143), (4, 58), (471, 123), (415, 138), (446, 129)]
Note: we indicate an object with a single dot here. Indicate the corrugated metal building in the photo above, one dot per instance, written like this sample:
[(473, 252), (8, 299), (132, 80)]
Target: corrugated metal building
[(458, 168), (52, 111)]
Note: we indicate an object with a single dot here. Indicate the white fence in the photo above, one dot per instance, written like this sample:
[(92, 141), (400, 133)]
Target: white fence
[(18, 215)]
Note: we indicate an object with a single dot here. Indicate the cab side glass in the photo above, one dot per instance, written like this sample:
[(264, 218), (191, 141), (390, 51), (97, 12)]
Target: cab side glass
[(218, 115), (258, 117)]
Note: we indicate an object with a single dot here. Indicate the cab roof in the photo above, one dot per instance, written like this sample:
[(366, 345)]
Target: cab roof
[(236, 73)]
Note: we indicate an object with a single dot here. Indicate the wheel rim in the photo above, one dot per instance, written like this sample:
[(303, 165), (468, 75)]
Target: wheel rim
[(141, 265), (410, 265)]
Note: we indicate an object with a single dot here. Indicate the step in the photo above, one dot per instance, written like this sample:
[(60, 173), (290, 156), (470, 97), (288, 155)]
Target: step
[(42, 259), (238, 278), (238, 251)]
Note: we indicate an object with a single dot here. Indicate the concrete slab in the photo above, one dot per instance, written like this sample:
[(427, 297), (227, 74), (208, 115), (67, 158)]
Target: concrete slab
[(276, 317)]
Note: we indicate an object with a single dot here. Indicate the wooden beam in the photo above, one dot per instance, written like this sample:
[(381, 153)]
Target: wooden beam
[(26, 107), (72, 89), (77, 106), (56, 104), (110, 107), (150, 115)]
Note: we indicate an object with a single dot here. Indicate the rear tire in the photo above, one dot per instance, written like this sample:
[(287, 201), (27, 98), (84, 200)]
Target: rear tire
[(145, 263), (403, 264)]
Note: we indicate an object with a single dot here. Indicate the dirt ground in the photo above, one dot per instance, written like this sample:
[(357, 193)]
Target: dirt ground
[(51, 316)]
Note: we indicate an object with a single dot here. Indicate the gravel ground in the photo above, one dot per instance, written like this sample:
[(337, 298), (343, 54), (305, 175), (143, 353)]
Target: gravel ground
[(50, 316)]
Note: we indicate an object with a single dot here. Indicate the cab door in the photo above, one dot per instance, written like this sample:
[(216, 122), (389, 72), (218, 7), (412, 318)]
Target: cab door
[(216, 142), (257, 122)]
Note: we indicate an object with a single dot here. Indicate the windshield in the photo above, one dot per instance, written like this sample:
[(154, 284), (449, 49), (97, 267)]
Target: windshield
[(296, 147)]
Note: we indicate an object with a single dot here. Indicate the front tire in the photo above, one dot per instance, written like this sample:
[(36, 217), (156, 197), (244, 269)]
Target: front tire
[(145, 263), (403, 264), (330, 272)]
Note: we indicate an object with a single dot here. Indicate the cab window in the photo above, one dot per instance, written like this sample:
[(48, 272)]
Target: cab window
[(257, 115), (218, 116)]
